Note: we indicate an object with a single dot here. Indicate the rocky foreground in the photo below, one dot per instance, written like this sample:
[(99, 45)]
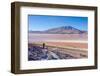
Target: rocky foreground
[(44, 53)]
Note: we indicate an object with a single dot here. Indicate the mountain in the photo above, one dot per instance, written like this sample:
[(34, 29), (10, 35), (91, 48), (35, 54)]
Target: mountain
[(61, 30)]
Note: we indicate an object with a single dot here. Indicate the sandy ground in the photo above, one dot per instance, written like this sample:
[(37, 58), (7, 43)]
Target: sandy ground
[(68, 44), (56, 37), (60, 40)]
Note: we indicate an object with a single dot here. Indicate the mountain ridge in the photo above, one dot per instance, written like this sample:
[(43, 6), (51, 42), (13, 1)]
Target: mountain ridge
[(61, 30)]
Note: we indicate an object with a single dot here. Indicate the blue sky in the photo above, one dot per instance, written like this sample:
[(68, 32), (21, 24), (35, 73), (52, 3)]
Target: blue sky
[(44, 22)]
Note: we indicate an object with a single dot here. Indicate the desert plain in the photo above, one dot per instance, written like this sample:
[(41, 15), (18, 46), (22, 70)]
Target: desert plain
[(59, 46)]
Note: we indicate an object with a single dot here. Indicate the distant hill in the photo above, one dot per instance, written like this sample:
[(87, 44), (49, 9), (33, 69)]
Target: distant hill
[(61, 30)]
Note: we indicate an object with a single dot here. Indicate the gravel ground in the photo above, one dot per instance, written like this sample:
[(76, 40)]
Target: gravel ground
[(40, 53)]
